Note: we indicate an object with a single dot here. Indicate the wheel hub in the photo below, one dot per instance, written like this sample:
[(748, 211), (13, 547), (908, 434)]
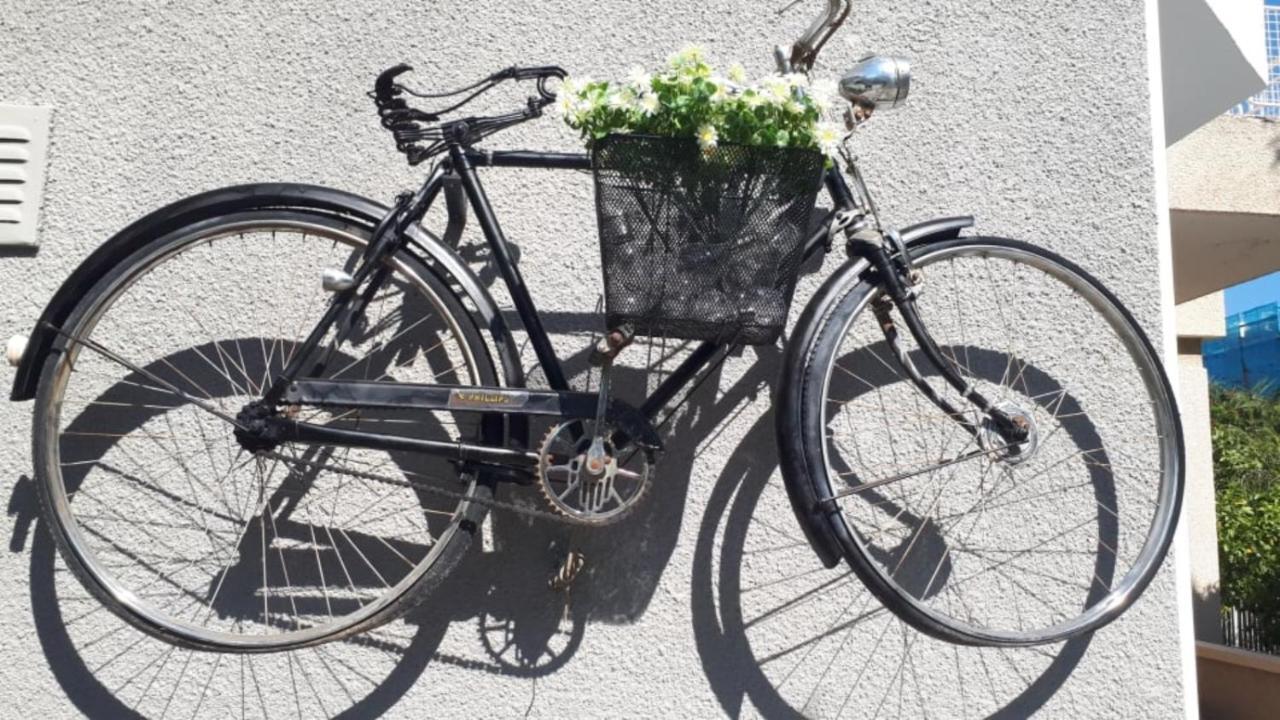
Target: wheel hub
[(1003, 448), (254, 432)]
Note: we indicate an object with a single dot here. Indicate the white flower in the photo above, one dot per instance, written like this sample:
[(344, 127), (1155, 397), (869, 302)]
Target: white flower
[(796, 80), (569, 98), (565, 102), (708, 137), (649, 103), (574, 85), (639, 79), (589, 102), (738, 74), (690, 56), (623, 98), (721, 92), (753, 99), (793, 106), (827, 135), (776, 89), (823, 93)]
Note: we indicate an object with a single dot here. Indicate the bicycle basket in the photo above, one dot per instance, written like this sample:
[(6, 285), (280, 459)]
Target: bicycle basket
[(702, 246)]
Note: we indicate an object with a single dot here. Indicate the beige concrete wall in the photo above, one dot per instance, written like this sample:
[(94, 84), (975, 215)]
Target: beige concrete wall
[(1197, 320), (1230, 165), (1224, 193), (1203, 317), (1236, 684), (1198, 504)]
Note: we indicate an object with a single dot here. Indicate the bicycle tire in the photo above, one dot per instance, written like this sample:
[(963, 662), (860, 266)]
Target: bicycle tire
[(454, 541), (809, 456)]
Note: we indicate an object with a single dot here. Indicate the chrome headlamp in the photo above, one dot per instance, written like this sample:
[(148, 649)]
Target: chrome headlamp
[(877, 81)]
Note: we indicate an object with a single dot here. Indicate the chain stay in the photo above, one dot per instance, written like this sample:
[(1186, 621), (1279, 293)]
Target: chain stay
[(432, 489)]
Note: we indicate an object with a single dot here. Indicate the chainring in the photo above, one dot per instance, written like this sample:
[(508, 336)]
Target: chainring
[(580, 495)]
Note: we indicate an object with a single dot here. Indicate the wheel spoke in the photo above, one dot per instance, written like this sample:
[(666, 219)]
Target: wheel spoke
[(1063, 516), (184, 526)]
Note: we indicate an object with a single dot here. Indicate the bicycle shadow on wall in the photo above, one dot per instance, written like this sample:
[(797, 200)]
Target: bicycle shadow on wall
[(780, 634), (498, 617), (108, 668), (497, 606)]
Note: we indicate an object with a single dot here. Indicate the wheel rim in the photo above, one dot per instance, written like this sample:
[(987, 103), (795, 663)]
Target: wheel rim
[(301, 509), (918, 555)]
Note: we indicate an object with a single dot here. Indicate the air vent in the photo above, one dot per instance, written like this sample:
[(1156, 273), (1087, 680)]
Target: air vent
[(24, 143)]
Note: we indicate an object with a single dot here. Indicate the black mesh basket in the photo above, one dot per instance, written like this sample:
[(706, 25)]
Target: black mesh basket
[(702, 246)]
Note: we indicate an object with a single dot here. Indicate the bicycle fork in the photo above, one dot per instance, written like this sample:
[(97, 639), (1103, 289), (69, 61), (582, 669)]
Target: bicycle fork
[(895, 274)]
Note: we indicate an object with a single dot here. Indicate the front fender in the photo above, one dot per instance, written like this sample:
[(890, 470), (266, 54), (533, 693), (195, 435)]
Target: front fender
[(801, 466), (237, 199), (937, 229)]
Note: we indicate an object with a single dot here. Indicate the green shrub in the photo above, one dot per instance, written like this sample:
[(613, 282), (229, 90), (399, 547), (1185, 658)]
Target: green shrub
[(1246, 461)]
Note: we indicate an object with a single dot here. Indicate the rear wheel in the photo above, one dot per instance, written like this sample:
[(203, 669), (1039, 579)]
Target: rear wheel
[(161, 513), (966, 537)]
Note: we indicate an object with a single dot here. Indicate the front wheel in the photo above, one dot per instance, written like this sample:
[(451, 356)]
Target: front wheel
[(967, 537)]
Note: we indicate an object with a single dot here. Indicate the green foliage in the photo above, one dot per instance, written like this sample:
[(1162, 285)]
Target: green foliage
[(1246, 459), (689, 99)]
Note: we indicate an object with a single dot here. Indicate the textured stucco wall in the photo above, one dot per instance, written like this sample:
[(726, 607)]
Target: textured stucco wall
[(1018, 115)]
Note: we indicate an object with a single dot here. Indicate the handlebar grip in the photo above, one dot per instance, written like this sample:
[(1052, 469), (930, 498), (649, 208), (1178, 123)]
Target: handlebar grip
[(384, 86), (538, 73)]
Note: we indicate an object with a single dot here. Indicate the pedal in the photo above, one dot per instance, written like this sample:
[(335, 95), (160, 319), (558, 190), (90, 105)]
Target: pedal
[(570, 567)]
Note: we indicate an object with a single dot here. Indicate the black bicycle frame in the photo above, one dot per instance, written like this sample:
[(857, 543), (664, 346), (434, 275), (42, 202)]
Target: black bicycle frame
[(296, 387)]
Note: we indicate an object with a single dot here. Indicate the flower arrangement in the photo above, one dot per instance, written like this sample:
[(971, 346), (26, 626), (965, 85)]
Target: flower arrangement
[(690, 99)]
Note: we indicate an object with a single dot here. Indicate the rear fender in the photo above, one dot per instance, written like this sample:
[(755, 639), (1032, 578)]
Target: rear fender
[(342, 205)]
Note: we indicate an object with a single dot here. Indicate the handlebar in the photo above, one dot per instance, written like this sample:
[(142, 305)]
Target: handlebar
[(420, 134), (386, 89)]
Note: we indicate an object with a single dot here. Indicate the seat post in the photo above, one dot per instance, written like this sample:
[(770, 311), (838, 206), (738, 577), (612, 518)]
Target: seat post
[(507, 266)]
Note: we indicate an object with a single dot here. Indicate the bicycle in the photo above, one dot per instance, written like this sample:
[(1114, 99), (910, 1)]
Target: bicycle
[(328, 479)]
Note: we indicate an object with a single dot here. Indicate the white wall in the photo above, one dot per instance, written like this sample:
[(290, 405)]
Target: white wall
[(1018, 115), (1214, 55)]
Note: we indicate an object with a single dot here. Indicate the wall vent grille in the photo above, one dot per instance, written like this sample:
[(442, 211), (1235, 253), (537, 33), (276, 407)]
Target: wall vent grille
[(24, 145)]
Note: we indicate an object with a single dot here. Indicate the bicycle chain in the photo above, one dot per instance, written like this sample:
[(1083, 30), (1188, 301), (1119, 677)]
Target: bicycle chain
[(442, 492)]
